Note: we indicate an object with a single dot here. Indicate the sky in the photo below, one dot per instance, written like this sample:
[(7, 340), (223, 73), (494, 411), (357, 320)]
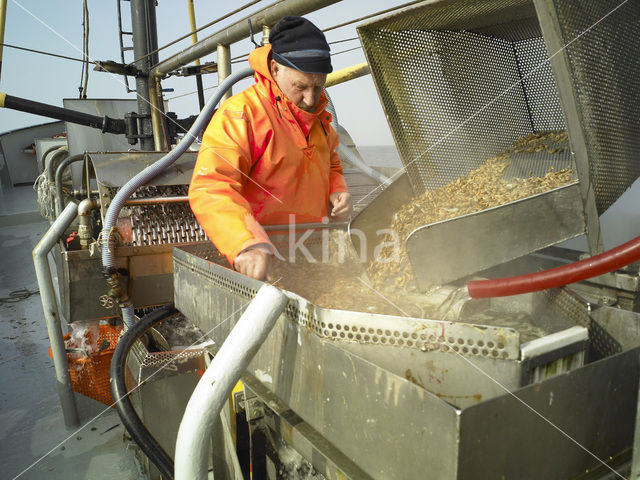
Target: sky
[(56, 27)]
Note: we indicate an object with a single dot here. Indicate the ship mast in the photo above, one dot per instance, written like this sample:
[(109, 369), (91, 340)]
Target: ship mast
[(145, 41)]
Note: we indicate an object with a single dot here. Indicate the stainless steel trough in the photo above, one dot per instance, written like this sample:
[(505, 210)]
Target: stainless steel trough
[(441, 399)]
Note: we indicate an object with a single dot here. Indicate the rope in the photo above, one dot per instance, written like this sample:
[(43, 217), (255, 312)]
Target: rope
[(17, 296), (110, 240), (45, 200), (45, 53)]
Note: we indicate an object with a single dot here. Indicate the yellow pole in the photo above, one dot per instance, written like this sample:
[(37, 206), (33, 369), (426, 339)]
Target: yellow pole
[(196, 62), (346, 74), (3, 19), (156, 114), (192, 23)]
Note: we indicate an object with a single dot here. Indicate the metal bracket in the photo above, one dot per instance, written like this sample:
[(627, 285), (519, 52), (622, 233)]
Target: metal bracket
[(190, 70), (248, 402), (132, 120)]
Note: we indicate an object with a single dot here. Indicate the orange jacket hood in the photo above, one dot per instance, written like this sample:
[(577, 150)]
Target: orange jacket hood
[(262, 161), (259, 62)]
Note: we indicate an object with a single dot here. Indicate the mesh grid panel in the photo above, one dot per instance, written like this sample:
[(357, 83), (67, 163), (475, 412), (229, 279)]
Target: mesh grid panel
[(603, 44), (461, 80), (160, 224), (569, 305), (538, 85), (456, 98)]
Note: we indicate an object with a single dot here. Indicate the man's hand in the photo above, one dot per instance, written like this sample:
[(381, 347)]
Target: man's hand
[(253, 263), (341, 203)]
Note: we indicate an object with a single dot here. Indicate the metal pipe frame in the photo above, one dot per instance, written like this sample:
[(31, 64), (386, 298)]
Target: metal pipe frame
[(58, 179), (224, 67), (156, 200), (238, 31), (157, 120), (41, 164), (85, 231), (51, 165), (51, 313), (214, 388), (561, 67)]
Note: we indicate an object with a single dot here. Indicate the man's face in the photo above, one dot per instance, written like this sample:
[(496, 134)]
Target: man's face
[(301, 88)]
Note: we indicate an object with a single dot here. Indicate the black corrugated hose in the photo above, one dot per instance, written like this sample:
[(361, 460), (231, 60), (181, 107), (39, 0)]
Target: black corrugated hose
[(149, 446)]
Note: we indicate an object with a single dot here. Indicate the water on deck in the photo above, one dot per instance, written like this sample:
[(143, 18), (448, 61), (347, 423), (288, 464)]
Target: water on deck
[(34, 442)]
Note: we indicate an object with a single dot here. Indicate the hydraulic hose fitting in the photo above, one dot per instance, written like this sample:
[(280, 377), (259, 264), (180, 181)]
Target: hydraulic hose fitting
[(85, 230), (118, 281)]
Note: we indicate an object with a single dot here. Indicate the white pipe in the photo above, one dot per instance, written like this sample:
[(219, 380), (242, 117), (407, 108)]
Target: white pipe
[(214, 388), (85, 232), (51, 314)]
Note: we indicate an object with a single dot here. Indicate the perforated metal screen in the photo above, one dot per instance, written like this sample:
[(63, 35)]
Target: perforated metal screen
[(603, 42), (455, 97), (570, 305), (462, 80)]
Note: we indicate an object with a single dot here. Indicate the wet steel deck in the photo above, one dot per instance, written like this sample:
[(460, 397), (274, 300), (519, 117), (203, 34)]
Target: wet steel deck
[(34, 442)]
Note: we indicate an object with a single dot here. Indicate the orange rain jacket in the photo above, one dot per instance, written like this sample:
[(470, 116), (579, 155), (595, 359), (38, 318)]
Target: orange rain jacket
[(262, 159)]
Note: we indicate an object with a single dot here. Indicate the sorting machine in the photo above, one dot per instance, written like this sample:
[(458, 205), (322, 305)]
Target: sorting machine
[(548, 388), (375, 396)]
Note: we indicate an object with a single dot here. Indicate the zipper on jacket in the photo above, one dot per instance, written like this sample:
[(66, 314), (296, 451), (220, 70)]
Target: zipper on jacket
[(277, 105), (322, 125)]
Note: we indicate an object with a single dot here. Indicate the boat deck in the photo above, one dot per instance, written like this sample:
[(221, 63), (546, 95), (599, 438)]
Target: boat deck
[(34, 442)]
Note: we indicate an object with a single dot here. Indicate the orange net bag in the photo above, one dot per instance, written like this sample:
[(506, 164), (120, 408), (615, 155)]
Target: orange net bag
[(89, 352)]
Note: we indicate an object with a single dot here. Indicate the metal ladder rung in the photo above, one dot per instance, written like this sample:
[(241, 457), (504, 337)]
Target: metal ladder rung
[(122, 47)]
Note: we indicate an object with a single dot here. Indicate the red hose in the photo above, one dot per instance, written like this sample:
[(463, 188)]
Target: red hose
[(555, 277)]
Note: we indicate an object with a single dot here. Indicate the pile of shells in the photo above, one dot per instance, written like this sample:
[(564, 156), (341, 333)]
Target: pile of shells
[(485, 187)]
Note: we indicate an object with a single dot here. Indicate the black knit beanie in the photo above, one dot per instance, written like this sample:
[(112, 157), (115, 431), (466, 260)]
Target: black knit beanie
[(298, 43)]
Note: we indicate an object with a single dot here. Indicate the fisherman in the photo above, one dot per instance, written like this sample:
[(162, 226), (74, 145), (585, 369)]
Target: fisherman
[(270, 151)]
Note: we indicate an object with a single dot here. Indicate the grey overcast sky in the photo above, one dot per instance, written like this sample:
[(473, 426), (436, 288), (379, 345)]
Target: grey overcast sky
[(56, 27)]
